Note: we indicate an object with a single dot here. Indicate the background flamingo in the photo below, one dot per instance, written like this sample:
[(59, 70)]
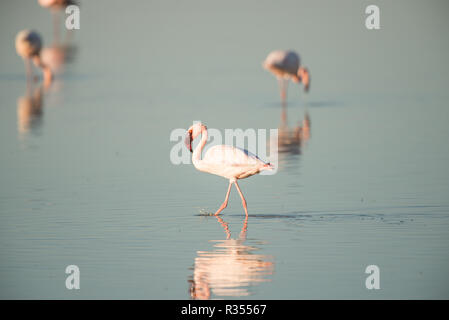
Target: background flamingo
[(285, 65), (56, 7), (28, 46), (226, 161)]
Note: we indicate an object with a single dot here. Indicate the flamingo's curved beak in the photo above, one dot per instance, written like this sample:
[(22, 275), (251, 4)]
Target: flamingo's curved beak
[(188, 140)]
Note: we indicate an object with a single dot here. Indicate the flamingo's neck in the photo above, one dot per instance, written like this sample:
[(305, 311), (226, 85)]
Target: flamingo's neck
[(48, 76), (196, 157)]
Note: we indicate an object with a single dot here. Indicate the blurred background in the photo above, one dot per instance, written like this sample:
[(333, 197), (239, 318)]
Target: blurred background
[(86, 177)]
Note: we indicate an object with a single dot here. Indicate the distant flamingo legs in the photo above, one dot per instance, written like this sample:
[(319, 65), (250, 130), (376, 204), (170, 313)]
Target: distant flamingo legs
[(226, 161), (283, 85), (56, 7)]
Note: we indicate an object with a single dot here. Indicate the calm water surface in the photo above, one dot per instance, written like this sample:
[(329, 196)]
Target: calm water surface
[(86, 177)]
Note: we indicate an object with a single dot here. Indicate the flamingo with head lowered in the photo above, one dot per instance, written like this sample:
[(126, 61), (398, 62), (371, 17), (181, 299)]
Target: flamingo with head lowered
[(28, 46), (226, 161), (285, 65)]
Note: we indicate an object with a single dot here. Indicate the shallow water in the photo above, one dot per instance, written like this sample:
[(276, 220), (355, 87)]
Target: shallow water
[(86, 177)]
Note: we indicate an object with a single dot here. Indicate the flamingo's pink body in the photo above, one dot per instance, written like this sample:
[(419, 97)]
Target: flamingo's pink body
[(285, 65), (55, 4), (28, 46), (226, 161)]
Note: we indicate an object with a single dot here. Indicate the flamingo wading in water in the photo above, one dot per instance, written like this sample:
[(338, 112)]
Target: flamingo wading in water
[(285, 65), (56, 7), (226, 161), (28, 46)]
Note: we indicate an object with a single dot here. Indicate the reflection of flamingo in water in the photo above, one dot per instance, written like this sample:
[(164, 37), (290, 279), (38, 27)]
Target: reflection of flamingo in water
[(285, 65), (291, 140), (230, 269), (305, 129), (229, 162), (288, 140), (29, 110)]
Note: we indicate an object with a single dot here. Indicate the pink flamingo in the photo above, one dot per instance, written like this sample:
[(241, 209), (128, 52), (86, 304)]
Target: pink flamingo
[(285, 65), (56, 4), (28, 46), (56, 7), (226, 161)]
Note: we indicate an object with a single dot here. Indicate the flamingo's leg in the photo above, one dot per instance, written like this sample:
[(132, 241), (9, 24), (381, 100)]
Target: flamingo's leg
[(285, 89), (225, 203), (282, 89), (243, 198), (29, 71), (283, 84), (56, 27)]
